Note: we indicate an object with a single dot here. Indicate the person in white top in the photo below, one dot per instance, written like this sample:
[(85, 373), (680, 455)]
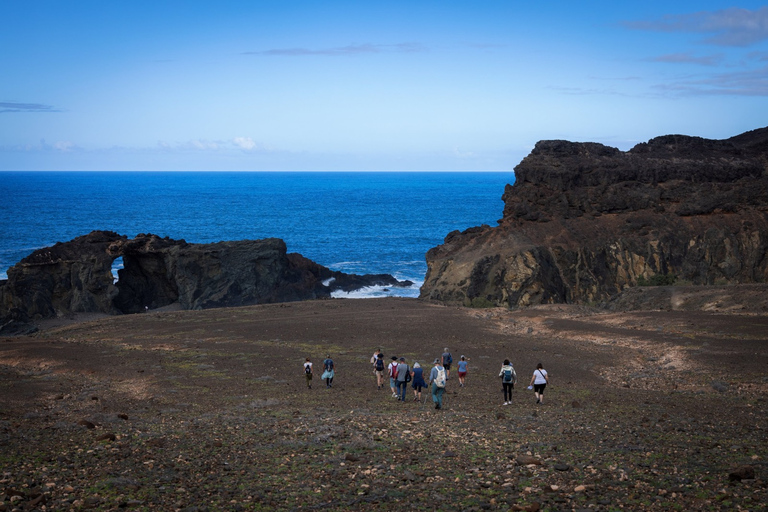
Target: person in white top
[(539, 381)]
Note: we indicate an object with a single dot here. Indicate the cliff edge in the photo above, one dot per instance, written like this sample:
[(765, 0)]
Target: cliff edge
[(76, 277), (584, 221)]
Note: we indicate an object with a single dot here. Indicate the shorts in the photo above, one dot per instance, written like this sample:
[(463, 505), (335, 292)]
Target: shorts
[(378, 373), (539, 388), (462, 375), (447, 366)]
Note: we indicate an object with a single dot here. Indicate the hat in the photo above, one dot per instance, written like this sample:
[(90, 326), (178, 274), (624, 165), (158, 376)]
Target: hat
[(436, 361), (402, 359), (394, 358)]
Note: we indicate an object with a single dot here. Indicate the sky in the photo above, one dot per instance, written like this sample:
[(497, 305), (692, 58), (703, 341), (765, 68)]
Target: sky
[(366, 85)]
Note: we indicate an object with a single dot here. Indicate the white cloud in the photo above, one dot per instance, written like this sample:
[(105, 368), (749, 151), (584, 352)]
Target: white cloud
[(246, 143)]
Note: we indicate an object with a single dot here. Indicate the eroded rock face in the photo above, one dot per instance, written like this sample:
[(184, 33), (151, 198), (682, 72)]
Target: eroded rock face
[(584, 221), (76, 277)]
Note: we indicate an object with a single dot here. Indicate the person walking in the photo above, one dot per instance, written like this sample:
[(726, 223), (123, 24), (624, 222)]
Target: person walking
[(392, 371), (308, 372), (508, 379), (329, 371), (437, 379), (403, 377), (378, 370), (417, 374), (539, 381), (447, 360), (461, 367)]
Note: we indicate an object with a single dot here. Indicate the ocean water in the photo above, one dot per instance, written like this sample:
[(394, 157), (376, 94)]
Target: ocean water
[(363, 223)]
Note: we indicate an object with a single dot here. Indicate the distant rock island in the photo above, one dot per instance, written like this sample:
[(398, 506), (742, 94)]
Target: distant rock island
[(76, 277), (584, 221)]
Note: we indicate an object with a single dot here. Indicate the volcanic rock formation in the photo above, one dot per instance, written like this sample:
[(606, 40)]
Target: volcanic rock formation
[(584, 221), (76, 277)]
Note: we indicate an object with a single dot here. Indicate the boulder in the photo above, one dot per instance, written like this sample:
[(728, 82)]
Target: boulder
[(584, 221)]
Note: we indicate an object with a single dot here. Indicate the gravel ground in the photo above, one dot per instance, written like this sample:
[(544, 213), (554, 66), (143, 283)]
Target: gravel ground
[(209, 410)]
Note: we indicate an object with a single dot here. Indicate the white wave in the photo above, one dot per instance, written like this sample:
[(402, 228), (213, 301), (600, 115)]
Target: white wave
[(372, 292), (328, 281)]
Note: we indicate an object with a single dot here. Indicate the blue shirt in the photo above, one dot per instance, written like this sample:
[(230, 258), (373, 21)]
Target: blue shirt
[(462, 366)]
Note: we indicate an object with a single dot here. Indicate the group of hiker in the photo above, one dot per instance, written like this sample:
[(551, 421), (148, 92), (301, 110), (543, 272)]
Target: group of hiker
[(401, 374)]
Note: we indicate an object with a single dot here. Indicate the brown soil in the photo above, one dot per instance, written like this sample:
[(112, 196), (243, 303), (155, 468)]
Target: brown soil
[(208, 410)]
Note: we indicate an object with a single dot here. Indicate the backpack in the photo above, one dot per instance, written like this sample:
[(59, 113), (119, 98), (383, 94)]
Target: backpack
[(393, 371), (447, 358), (328, 363), (379, 365), (440, 379), (508, 375), (408, 375), (307, 369)]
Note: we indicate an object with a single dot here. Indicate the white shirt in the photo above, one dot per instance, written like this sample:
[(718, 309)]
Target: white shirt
[(539, 377)]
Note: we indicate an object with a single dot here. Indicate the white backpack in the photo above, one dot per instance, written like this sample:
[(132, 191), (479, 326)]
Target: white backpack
[(440, 379)]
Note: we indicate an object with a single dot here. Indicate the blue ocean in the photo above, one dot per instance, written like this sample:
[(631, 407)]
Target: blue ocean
[(362, 223)]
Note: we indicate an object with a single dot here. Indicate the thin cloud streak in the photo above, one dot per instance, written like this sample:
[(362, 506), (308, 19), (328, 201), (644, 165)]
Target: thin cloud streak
[(12, 106), (744, 83), (352, 49), (729, 27), (687, 58)]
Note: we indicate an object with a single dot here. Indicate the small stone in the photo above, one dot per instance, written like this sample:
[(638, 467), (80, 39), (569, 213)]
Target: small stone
[(580, 488), (86, 424), (575, 404), (525, 460), (562, 467)]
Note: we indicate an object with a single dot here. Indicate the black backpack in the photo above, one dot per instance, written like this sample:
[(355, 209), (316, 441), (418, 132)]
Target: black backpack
[(379, 365)]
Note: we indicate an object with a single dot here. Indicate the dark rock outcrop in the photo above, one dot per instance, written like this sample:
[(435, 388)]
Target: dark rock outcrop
[(76, 277), (584, 221)]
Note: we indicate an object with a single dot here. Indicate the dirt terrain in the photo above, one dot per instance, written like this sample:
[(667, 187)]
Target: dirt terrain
[(208, 410)]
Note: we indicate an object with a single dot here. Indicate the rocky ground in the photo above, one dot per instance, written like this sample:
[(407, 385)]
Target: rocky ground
[(208, 410)]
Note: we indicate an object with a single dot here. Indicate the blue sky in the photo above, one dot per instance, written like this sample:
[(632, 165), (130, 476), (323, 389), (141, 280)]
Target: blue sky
[(395, 85)]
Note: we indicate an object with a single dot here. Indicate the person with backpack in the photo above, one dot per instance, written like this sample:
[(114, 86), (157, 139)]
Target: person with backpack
[(508, 379), (378, 370), (437, 378), (329, 371), (403, 378), (392, 371), (447, 360), (539, 381), (417, 373), (308, 372), (462, 369)]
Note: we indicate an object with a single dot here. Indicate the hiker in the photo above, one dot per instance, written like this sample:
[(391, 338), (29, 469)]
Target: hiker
[(462, 369), (447, 360), (329, 371), (539, 381), (437, 379), (375, 356), (392, 372), (508, 379), (403, 377), (378, 370), (417, 374), (308, 372)]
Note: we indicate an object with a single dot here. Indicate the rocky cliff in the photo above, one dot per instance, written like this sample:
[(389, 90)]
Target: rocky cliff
[(76, 277), (584, 221)]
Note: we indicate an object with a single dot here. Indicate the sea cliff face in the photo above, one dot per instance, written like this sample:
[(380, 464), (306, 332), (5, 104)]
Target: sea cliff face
[(76, 277), (584, 221)]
